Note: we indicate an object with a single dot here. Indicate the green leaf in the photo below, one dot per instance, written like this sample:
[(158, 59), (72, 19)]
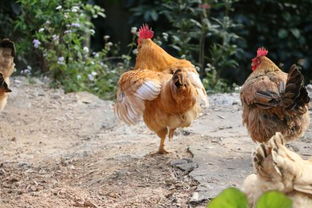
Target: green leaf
[(282, 33), (273, 199), (154, 15), (295, 32), (229, 198)]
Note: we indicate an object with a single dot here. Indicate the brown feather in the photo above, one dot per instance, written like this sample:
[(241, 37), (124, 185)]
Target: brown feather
[(153, 57), (274, 101)]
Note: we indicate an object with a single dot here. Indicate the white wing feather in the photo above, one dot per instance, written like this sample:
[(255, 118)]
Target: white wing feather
[(130, 106), (149, 90), (202, 95)]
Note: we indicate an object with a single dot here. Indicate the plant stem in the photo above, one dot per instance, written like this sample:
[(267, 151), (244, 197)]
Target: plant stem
[(202, 43)]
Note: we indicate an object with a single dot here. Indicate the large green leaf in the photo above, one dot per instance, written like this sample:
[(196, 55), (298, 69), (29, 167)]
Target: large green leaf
[(273, 199), (229, 198)]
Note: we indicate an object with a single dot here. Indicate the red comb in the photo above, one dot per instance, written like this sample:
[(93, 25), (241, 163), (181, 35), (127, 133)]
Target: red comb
[(145, 32), (262, 52)]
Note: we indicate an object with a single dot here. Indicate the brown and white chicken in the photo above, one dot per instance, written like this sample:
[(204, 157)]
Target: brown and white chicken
[(274, 101), (165, 91), (7, 67), (278, 168)]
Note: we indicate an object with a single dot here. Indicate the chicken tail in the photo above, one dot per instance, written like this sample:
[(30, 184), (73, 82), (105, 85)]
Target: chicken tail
[(178, 79), (182, 93), (3, 85), (295, 96)]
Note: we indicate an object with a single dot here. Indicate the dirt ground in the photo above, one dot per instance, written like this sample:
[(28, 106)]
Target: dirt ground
[(68, 150)]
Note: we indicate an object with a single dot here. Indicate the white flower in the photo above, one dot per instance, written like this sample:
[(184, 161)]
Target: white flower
[(106, 37), (25, 72), (135, 51), (94, 73), (97, 55), (66, 16), (48, 22), (92, 31), (78, 76), (86, 49), (58, 7), (134, 30), (60, 60), (165, 36), (41, 29), (36, 43), (55, 37), (109, 44), (67, 31), (75, 9), (90, 77), (75, 25)]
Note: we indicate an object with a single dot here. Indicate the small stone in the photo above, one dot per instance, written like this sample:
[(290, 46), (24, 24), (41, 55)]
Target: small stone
[(195, 197), (186, 165), (186, 132)]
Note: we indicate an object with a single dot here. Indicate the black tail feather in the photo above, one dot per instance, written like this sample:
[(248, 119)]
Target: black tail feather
[(295, 96), (3, 85)]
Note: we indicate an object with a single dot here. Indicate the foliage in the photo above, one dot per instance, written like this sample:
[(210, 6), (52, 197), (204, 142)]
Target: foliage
[(198, 34), (273, 199), (59, 32), (235, 28), (144, 10), (6, 20), (229, 198), (281, 26), (233, 198), (219, 37)]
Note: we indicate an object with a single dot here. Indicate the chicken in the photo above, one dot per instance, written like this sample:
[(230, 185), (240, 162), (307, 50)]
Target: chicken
[(166, 93), (274, 101), (153, 57), (7, 66), (278, 168)]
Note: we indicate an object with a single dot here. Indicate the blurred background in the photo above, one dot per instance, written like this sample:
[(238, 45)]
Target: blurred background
[(86, 44)]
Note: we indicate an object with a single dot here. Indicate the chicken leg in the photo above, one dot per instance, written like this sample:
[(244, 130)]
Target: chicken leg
[(171, 133), (162, 134)]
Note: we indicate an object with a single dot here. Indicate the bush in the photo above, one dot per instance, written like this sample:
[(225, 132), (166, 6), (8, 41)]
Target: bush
[(219, 37), (60, 35), (200, 31), (280, 26), (226, 34)]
